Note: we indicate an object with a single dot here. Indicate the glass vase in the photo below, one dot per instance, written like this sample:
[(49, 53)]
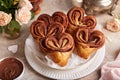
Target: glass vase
[(12, 30)]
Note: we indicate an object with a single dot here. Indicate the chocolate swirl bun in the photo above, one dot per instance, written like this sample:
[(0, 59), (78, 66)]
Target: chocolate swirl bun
[(55, 29), (40, 27), (89, 21), (61, 18), (96, 39), (62, 42), (75, 15), (47, 19), (10, 68), (36, 6), (87, 41), (57, 44), (49, 31), (77, 19), (61, 47), (38, 30)]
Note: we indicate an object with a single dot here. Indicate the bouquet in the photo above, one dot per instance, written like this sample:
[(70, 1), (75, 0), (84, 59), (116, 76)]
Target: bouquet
[(13, 14)]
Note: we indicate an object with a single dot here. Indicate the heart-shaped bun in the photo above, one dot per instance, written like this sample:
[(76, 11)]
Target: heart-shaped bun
[(55, 29), (87, 41), (61, 18), (61, 46), (77, 19), (49, 32), (55, 34), (38, 30)]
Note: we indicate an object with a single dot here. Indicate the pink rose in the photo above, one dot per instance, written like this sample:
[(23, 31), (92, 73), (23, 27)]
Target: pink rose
[(25, 3), (23, 15), (4, 18)]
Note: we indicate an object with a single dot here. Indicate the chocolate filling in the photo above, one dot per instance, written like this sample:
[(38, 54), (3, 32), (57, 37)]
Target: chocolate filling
[(10, 68)]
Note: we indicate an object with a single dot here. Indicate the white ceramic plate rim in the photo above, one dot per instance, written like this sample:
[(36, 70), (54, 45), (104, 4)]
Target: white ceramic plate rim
[(75, 73)]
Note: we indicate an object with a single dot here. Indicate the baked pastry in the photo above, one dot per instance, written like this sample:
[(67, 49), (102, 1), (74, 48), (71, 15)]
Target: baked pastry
[(77, 19), (52, 39), (47, 19), (61, 47), (58, 45), (38, 30), (56, 17), (87, 41), (47, 25), (89, 21), (36, 6), (55, 29), (61, 18)]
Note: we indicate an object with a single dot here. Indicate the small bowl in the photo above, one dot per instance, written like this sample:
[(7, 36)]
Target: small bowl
[(6, 65)]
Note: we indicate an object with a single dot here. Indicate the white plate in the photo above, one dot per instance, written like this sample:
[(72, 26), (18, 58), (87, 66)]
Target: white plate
[(74, 73)]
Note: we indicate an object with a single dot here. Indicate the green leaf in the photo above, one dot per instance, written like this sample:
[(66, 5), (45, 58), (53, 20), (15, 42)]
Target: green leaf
[(32, 15), (2, 3), (12, 28), (10, 3), (8, 6), (14, 25), (1, 29), (2, 8)]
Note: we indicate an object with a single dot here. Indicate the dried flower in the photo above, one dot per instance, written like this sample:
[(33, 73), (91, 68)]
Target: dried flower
[(25, 3), (23, 15), (113, 25), (4, 18), (16, 2)]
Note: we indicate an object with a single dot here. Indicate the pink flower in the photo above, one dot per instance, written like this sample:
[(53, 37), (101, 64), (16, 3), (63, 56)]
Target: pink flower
[(23, 15), (4, 18), (25, 3)]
